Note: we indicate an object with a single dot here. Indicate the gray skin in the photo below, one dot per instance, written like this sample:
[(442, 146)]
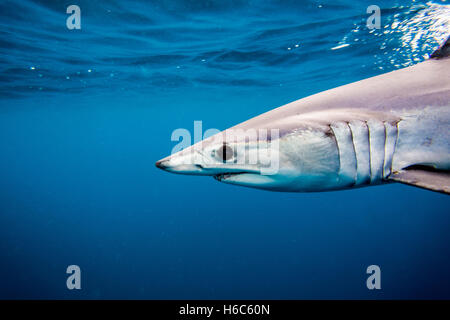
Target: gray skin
[(356, 135)]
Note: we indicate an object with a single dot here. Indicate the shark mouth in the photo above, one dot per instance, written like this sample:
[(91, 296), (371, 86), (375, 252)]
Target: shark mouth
[(224, 176)]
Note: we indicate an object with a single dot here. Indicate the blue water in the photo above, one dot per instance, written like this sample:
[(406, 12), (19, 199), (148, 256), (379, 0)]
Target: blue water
[(84, 114)]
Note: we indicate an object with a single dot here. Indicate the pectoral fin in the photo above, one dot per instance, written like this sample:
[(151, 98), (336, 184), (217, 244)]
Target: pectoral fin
[(435, 180)]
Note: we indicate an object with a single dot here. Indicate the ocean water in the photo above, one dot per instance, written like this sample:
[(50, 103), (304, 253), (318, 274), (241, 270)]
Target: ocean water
[(84, 114)]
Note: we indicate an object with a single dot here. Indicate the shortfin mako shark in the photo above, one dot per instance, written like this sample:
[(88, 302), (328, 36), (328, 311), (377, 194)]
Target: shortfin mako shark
[(389, 128)]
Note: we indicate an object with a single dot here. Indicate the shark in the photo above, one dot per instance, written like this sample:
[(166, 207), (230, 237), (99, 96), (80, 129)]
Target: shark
[(393, 127)]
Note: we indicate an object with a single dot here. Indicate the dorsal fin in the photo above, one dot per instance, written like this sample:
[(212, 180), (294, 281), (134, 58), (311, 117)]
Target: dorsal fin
[(443, 51)]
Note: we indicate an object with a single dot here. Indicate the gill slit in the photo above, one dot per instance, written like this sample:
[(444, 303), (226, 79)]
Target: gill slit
[(355, 176), (370, 154)]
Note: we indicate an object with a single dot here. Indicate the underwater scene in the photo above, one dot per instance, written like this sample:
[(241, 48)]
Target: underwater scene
[(90, 98)]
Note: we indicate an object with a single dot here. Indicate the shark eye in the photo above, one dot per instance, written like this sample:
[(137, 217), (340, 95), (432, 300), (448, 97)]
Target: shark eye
[(225, 153)]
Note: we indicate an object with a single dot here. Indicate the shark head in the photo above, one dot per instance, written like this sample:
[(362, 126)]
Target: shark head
[(271, 155), (365, 133)]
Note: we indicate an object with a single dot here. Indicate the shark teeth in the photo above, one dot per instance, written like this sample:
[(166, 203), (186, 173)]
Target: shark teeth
[(223, 176)]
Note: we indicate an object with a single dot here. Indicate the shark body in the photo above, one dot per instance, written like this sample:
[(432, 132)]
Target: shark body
[(391, 127)]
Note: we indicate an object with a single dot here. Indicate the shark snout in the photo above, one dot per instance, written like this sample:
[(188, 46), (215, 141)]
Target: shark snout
[(162, 164), (184, 164), (181, 165)]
